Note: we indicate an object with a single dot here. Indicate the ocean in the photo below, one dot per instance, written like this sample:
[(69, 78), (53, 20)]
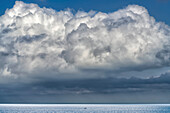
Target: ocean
[(84, 108)]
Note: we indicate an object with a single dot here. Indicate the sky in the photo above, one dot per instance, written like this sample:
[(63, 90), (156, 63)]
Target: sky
[(65, 51)]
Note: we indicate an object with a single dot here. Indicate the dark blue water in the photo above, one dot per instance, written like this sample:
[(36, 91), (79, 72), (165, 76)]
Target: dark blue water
[(84, 108)]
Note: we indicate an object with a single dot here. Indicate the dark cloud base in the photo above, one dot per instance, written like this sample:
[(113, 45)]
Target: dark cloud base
[(109, 90)]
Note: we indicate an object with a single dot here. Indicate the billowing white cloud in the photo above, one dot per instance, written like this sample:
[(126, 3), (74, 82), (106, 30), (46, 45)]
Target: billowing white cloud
[(34, 39)]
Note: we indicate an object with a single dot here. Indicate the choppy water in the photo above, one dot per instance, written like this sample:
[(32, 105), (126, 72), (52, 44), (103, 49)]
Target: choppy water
[(84, 108)]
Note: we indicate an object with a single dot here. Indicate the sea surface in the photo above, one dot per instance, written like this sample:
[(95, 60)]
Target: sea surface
[(84, 108)]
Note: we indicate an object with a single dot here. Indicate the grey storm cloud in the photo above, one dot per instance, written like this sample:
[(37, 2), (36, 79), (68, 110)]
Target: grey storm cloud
[(36, 40), (133, 90)]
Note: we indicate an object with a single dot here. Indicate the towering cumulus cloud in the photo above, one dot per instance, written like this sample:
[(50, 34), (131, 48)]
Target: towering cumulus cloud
[(36, 40)]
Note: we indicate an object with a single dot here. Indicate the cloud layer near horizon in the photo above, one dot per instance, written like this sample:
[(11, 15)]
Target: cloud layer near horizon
[(36, 40), (97, 90)]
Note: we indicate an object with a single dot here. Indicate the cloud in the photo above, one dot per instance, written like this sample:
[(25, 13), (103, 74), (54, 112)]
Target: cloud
[(41, 41), (108, 90)]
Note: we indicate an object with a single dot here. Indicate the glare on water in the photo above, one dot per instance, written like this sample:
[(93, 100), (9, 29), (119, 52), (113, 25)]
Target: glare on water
[(85, 108)]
